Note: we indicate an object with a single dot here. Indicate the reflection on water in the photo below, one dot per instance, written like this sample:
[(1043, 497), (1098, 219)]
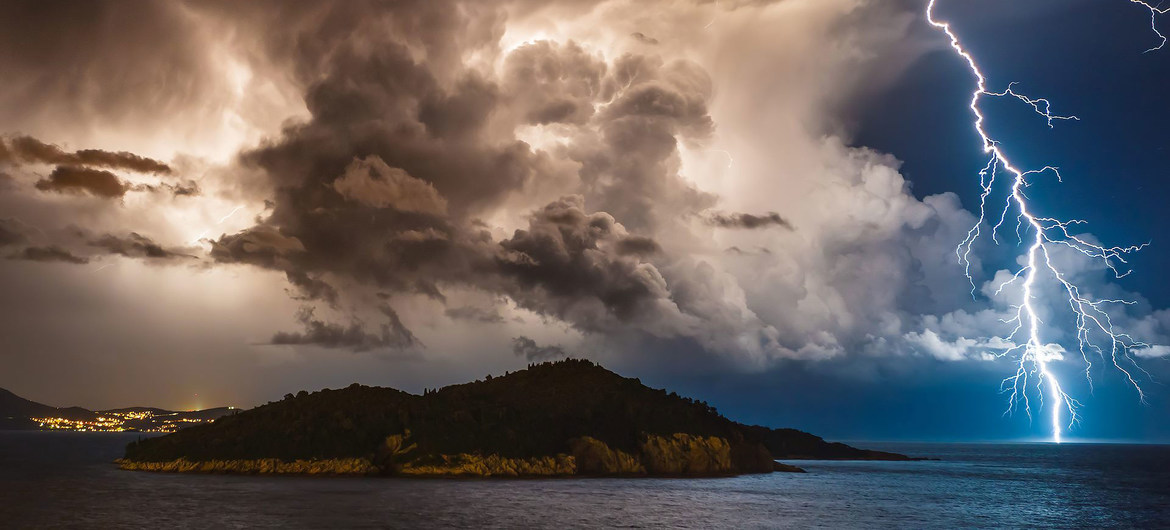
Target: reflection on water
[(66, 479)]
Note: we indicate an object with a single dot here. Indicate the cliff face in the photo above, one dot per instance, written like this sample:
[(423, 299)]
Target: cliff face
[(566, 418), (676, 455), (594, 457), (684, 454)]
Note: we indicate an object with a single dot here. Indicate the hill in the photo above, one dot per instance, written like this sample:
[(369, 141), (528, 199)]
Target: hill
[(563, 418), (15, 412)]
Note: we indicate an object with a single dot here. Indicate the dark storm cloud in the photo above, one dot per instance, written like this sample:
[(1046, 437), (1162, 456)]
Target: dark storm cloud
[(406, 146), (31, 150), (312, 288), (641, 37), (747, 220), (82, 180), (638, 245), (382, 184), (136, 245), (564, 262), (525, 347), (80, 172), (392, 335), (189, 188), (489, 315), (12, 232), (377, 184), (51, 253), (741, 252), (261, 245), (185, 189)]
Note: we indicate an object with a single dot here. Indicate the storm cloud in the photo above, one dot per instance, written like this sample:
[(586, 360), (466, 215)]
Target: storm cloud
[(391, 334), (529, 349), (747, 220), (29, 150), (82, 180), (477, 181), (50, 253), (134, 245)]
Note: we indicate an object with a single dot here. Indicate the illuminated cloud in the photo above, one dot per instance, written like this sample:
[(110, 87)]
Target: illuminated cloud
[(371, 182), (462, 173)]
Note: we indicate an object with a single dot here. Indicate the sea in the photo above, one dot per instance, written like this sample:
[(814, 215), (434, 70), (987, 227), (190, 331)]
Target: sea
[(69, 480)]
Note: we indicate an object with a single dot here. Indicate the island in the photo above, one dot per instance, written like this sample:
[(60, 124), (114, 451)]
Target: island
[(564, 418)]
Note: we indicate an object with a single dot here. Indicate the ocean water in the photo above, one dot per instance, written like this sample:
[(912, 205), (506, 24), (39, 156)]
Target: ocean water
[(68, 480)]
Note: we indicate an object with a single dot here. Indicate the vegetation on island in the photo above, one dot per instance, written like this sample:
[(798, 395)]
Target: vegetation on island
[(570, 417)]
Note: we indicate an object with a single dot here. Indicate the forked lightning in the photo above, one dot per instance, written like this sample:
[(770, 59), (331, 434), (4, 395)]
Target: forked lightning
[(1096, 334)]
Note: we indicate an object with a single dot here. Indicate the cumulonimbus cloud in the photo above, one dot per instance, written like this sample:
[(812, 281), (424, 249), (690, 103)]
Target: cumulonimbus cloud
[(443, 147)]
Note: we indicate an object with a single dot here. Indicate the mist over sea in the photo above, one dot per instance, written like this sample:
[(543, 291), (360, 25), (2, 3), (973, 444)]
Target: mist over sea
[(68, 480)]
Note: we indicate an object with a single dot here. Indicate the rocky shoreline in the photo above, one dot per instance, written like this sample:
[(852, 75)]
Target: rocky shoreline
[(680, 455)]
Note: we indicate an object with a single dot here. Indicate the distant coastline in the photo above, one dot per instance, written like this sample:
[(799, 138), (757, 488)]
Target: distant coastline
[(18, 413)]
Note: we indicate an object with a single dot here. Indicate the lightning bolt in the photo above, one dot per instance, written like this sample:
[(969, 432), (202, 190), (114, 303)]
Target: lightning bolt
[(1097, 335), (1155, 10), (231, 213), (221, 221)]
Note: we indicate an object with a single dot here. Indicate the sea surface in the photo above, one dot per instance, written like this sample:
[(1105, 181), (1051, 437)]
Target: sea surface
[(68, 480)]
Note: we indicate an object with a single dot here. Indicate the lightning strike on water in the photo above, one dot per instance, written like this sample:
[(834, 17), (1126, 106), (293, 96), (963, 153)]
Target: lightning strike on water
[(1096, 333)]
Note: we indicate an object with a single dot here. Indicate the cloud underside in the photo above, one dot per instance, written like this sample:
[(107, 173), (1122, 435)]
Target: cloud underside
[(554, 177)]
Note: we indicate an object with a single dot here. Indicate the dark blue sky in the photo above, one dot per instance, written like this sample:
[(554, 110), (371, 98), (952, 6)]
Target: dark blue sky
[(1087, 58)]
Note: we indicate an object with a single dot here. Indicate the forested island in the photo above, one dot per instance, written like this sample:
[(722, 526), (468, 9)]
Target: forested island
[(563, 418)]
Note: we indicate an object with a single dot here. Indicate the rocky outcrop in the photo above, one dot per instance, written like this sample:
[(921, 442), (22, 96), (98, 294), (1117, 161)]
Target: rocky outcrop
[(679, 454), (465, 465), (594, 457), (685, 454)]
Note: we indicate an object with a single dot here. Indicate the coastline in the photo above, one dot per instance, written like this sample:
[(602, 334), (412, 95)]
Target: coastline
[(680, 455)]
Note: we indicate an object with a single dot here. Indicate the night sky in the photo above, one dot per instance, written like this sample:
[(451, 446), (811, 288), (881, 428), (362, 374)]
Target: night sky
[(755, 203)]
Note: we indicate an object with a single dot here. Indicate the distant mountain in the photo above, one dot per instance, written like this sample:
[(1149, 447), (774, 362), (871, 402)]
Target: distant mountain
[(17, 413), (564, 418), (153, 410)]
